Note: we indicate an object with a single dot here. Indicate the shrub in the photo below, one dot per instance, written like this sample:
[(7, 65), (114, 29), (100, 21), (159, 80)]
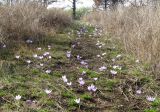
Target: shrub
[(24, 20), (56, 18)]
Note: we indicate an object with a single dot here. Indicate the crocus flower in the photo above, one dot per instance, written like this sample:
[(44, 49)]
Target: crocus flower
[(83, 62), (137, 61), (40, 57), (118, 56), (68, 54), (39, 48), (81, 81), (49, 47), (18, 97), (4, 46), (41, 64), (92, 88), (29, 102), (29, 41), (77, 100), (49, 57), (98, 43), (48, 91), (113, 60), (103, 68), (95, 79), (17, 57), (100, 46), (103, 54), (83, 73), (35, 55), (46, 54), (117, 67), (98, 55), (64, 78), (28, 61), (79, 57), (69, 83), (73, 46), (150, 98), (48, 71), (113, 72), (138, 91)]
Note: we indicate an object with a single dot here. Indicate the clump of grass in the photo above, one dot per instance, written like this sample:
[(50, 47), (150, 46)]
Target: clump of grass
[(56, 18), (30, 20), (136, 28)]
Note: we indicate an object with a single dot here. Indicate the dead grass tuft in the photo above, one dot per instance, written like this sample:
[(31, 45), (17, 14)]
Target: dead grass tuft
[(136, 28), (25, 20)]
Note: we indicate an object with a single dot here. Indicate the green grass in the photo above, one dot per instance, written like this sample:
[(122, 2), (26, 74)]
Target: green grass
[(113, 92)]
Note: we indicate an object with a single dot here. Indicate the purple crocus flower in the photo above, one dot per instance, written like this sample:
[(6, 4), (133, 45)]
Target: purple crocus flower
[(92, 88), (83, 63), (79, 57), (103, 68), (81, 81)]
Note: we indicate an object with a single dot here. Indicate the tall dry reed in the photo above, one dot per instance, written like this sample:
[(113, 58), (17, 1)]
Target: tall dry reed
[(138, 28)]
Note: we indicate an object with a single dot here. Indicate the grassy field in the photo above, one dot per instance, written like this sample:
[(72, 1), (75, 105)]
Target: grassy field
[(77, 70)]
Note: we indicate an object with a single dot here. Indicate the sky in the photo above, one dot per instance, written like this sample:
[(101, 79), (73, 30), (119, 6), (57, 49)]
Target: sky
[(66, 4)]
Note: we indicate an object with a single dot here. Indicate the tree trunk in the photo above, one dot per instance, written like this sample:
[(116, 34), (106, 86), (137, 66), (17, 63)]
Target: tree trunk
[(74, 9)]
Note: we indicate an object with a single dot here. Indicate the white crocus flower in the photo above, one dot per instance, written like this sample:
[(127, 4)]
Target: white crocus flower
[(117, 67), (68, 54), (29, 41), (103, 54), (95, 79), (137, 61), (18, 97), (84, 73), (39, 48), (113, 72), (35, 55), (98, 56), (118, 56), (49, 57), (113, 60), (48, 91), (41, 64), (77, 100), (49, 47), (138, 91), (17, 57), (28, 61), (40, 57), (69, 83), (48, 71), (46, 54), (64, 78)]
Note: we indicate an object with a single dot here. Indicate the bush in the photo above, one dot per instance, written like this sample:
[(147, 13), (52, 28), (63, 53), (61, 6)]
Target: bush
[(25, 20), (56, 18), (81, 12)]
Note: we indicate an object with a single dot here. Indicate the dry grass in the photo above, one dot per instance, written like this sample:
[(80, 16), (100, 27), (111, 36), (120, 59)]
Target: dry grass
[(137, 28), (25, 20), (56, 18)]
